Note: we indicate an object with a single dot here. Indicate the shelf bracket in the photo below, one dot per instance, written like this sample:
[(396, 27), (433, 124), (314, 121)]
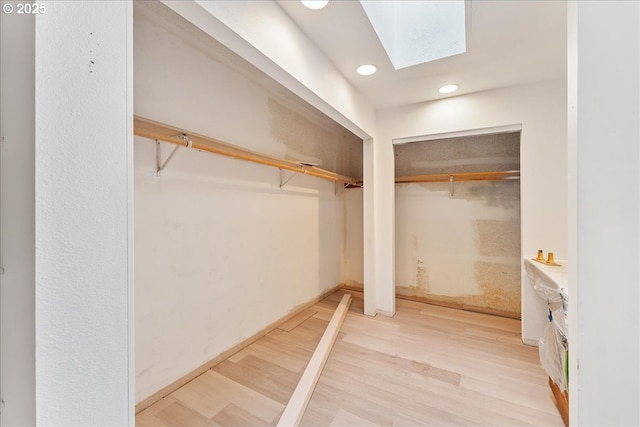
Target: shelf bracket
[(161, 165), (348, 185), (450, 186), (283, 180)]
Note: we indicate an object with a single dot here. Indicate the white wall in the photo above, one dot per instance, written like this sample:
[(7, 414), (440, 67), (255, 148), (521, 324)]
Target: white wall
[(604, 200), (541, 110), (83, 214), (17, 123), (221, 250), (353, 271)]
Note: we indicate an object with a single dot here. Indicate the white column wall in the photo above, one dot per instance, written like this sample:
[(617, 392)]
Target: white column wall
[(604, 199), (384, 226), (541, 110), (83, 213), (368, 228), (378, 229)]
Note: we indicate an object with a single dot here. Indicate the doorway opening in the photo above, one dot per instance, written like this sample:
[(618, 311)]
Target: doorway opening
[(458, 222)]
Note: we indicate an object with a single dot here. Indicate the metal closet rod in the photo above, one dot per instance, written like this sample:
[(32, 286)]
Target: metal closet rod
[(162, 132)]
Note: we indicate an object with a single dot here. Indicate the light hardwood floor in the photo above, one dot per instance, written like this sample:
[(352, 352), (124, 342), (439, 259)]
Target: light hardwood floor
[(427, 365)]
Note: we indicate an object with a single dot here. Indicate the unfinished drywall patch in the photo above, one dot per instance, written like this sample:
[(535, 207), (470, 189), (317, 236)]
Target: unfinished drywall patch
[(479, 153), (495, 237), (310, 138), (461, 248)]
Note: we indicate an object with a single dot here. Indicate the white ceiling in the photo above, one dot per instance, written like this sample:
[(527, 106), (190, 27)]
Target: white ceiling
[(510, 42)]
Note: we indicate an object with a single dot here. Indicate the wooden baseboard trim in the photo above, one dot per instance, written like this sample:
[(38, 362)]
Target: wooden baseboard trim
[(457, 306), (293, 412), (159, 395), (562, 401)]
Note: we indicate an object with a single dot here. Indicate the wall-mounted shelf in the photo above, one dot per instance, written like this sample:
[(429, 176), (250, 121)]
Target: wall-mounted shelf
[(162, 132)]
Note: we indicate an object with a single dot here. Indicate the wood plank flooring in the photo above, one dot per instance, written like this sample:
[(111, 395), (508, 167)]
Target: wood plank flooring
[(427, 365)]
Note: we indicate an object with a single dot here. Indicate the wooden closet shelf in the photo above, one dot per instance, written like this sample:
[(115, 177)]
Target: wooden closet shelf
[(162, 132), (460, 176)]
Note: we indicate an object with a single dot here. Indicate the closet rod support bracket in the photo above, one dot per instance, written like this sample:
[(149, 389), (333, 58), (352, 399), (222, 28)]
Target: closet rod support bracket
[(161, 165), (283, 180)]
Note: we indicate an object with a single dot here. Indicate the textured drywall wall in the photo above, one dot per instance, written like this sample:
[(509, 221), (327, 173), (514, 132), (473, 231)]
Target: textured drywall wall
[(541, 110), (464, 248), (83, 214), (221, 250), (17, 200), (321, 142), (478, 153)]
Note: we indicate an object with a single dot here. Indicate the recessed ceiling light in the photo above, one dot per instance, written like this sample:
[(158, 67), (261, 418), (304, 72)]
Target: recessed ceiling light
[(367, 70), (314, 4), (451, 87)]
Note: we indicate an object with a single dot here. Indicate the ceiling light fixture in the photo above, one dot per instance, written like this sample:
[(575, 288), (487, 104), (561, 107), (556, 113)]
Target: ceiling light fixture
[(451, 87), (367, 70), (314, 4)]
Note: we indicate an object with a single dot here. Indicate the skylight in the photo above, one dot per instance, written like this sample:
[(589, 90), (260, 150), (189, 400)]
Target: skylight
[(414, 32)]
